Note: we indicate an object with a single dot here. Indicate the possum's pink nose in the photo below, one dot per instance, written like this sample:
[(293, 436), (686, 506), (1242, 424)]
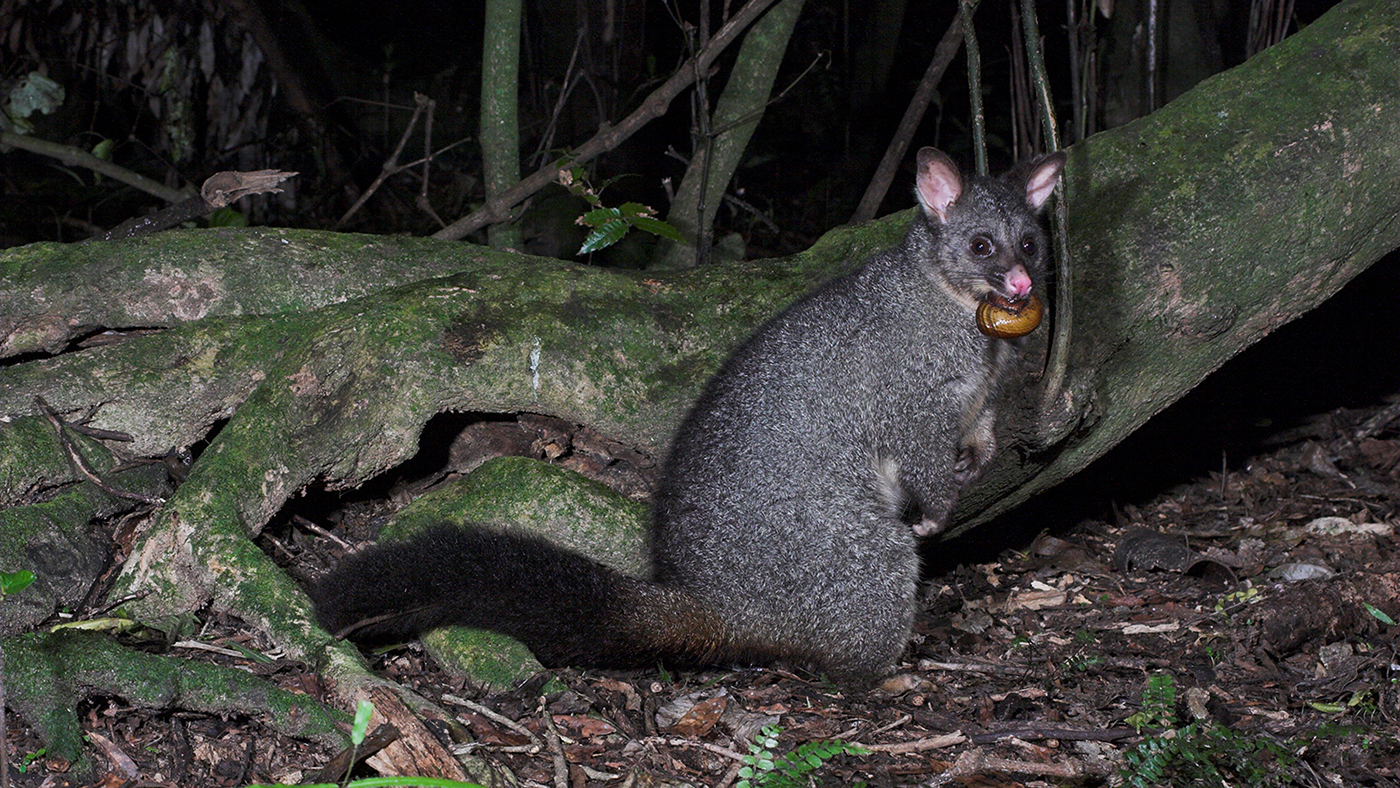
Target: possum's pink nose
[(1018, 283)]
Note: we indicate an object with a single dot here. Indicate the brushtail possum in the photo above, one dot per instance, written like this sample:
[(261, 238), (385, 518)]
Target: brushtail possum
[(784, 528)]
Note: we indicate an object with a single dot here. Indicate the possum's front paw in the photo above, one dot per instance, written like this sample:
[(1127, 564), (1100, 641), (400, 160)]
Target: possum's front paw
[(928, 527), (933, 516), (966, 466), (970, 464)]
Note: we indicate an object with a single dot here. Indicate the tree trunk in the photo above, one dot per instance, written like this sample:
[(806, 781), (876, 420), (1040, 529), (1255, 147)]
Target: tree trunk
[(500, 100)]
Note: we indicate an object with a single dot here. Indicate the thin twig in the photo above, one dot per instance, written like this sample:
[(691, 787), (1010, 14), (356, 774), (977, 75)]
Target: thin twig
[(1076, 66), (909, 124), (974, 84), (968, 667), (898, 722), (977, 761), (78, 157), (390, 165), (496, 717), (298, 520), (704, 745), (757, 214), (940, 742), (570, 81), (102, 435), (758, 113), (424, 203), (556, 749), (1051, 732), (1057, 359), (1024, 140), (1035, 58), (116, 603), (81, 464), (730, 775)]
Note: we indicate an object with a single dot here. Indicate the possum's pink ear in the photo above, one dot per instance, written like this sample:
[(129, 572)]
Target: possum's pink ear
[(938, 184), (1041, 182)]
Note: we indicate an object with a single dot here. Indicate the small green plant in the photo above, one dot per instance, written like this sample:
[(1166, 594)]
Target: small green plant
[(1084, 659), (358, 731), (611, 225), (1158, 704), (1207, 755), (226, 217), (762, 770), (30, 758), (1361, 702), (1083, 662), (1236, 600), (363, 711), (15, 582), (1213, 654), (1199, 754)]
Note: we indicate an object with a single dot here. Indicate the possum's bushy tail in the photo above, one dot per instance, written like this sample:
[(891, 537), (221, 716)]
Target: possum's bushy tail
[(568, 609)]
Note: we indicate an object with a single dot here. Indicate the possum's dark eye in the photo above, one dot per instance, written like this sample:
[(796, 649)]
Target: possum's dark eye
[(1029, 246), (981, 246)]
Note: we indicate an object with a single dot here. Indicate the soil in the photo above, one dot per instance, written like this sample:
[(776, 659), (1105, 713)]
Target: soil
[(1235, 630)]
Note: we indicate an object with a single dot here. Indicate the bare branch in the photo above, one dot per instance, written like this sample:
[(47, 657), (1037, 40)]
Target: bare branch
[(78, 157)]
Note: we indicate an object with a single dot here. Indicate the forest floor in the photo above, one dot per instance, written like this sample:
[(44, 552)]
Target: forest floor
[(1235, 630)]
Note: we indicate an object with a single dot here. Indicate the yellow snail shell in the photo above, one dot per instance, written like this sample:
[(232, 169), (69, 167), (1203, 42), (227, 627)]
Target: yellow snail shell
[(997, 317)]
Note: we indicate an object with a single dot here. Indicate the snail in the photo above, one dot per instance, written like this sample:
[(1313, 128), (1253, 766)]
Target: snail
[(998, 317)]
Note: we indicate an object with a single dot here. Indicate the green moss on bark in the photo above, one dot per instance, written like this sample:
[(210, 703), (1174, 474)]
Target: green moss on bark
[(49, 674)]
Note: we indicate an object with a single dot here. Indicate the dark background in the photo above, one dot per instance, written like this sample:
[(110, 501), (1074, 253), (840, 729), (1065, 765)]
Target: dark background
[(184, 89)]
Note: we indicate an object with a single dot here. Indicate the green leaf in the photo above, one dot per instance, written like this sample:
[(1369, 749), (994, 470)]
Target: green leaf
[(605, 236), (14, 582), (227, 217), (657, 227), (1379, 614), (600, 216), (33, 93), (114, 624), (362, 715), (30, 758)]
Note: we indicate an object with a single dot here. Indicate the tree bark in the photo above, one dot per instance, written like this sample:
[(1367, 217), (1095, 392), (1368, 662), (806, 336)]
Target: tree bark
[(500, 130), (1198, 230)]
